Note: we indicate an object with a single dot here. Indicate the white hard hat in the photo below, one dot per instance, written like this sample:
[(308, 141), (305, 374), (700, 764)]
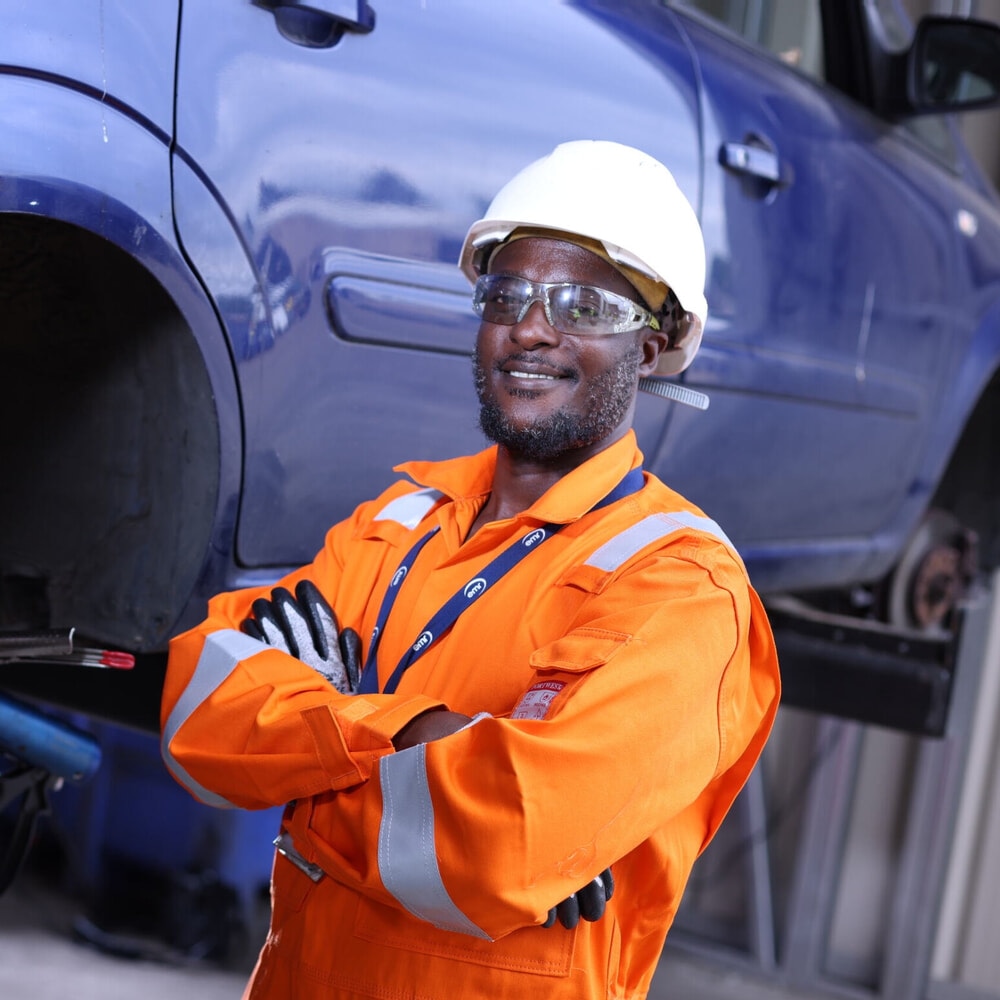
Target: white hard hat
[(626, 201)]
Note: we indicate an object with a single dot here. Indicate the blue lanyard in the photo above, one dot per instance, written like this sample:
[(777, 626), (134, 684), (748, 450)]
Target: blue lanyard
[(466, 595)]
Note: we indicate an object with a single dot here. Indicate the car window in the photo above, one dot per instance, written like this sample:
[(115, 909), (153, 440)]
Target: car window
[(792, 30), (789, 29), (890, 21)]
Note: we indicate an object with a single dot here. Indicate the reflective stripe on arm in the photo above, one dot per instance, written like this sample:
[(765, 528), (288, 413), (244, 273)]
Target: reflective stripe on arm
[(222, 651), (407, 858), (651, 529)]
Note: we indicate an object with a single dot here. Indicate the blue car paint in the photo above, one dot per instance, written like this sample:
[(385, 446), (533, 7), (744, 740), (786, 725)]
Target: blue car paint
[(304, 209)]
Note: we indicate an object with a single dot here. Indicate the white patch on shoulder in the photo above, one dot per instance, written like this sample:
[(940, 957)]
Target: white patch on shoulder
[(534, 703)]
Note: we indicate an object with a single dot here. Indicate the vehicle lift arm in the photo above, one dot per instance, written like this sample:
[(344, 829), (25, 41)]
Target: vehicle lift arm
[(38, 752)]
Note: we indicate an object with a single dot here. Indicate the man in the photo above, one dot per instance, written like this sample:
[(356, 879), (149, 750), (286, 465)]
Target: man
[(567, 678)]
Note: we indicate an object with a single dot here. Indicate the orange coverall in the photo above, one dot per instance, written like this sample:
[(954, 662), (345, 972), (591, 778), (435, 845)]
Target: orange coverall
[(624, 680)]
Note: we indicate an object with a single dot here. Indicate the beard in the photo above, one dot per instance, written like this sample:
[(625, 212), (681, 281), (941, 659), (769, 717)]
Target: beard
[(608, 400)]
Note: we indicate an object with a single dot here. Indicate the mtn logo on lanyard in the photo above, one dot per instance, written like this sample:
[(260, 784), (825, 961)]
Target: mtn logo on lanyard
[(538, 535)]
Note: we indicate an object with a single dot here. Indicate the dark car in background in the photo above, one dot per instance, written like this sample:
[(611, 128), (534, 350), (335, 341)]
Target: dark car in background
[(229, 300)]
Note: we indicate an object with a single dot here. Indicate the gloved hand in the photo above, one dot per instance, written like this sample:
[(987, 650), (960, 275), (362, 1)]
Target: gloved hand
[(306, 627), (587, 902)]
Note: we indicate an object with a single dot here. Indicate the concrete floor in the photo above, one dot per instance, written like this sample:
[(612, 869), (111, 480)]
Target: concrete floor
[(40, 960)]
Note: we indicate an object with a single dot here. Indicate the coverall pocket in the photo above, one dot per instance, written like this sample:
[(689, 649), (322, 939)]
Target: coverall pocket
[(560, 664), (542, 951), (581, 650)]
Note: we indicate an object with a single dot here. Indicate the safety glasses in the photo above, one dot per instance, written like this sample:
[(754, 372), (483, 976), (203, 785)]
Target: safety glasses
[(583, 310)]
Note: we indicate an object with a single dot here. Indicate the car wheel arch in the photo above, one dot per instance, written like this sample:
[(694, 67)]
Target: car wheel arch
[(119, 432)]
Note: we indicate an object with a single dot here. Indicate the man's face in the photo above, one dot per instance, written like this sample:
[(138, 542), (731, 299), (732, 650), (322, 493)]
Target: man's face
[(546, 395)]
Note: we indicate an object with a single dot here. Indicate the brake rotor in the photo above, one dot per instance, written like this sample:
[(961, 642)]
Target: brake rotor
[(934, 573), (937, 585)]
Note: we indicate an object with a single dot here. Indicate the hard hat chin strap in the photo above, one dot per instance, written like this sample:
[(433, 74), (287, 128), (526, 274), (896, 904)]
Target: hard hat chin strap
[(671, 390)]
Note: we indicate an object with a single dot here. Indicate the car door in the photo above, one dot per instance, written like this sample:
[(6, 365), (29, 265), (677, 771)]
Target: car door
[(323, 192), (830, 246)]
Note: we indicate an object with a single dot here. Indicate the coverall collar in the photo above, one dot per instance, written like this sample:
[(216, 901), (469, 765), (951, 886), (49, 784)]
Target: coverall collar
[(471, 477)]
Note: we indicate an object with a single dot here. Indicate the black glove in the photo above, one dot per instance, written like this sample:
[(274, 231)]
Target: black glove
[(587, 902), (306, 627)]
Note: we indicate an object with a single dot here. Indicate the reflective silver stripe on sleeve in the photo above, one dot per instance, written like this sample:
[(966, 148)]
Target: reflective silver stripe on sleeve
[(651, 529), (407, 859), (410, 509), (220, 654)]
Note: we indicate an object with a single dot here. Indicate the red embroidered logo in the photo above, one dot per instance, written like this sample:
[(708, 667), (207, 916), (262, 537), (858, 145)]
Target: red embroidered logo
[(534, 703)]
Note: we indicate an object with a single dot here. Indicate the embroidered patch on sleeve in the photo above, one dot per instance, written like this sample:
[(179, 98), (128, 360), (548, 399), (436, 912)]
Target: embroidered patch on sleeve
[(534, 703)]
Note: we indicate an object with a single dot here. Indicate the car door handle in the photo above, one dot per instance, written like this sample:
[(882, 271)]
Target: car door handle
[(319, 24), (755, 161)]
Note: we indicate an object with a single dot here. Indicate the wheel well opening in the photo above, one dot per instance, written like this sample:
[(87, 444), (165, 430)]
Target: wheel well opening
[(109, 440), (970, 487)]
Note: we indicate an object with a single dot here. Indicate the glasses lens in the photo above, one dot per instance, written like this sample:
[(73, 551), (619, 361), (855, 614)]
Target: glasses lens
[(583, 309), (499, 298)]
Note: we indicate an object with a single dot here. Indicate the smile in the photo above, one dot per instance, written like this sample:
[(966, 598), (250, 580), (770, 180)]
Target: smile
[(534, 375)]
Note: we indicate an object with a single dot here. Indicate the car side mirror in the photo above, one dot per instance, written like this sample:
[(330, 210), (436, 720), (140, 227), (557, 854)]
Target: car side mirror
[(953, 65)]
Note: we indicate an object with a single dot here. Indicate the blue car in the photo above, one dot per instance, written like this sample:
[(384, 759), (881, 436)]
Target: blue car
[(229, 300)]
